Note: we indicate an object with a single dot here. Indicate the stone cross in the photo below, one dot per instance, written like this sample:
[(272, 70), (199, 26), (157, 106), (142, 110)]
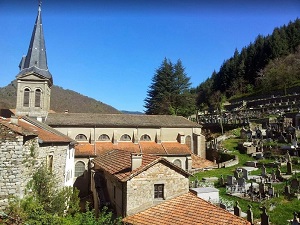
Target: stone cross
[(289, 167)]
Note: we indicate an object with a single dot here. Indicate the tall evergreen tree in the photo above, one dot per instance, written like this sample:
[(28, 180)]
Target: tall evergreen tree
[(169, 92)]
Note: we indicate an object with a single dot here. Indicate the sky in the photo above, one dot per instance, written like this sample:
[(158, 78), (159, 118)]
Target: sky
[(110, 50)]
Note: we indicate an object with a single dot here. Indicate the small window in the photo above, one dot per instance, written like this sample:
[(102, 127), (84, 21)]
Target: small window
[(50, 162), (103, 137), (81, 137), (159, 191), (145, 137), (125, 137), (26, 97), (37, 98), (177, 162), (79, 168)]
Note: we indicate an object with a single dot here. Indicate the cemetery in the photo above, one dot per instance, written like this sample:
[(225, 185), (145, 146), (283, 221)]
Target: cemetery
[(261, 173)]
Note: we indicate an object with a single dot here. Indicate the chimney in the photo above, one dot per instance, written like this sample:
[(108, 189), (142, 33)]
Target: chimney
[(14, 120), (136, 160)]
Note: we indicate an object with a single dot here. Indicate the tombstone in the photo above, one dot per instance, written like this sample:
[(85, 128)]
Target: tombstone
[(278, 172), (263, 171), (241, 183), (245, 173), (261, 188), (236, 174), (258, 134), (271, 191), (221, 181), (288, 156), (265, 220), (295, 184), (249, 135), (295, 220), (281, 138), (243, 133), (230, 180), (287, 190), (289, 168), (237, 210), (250, 215), (289, 138)]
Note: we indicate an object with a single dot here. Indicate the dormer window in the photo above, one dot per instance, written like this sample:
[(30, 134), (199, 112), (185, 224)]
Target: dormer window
[(81, 137), (125, 137)]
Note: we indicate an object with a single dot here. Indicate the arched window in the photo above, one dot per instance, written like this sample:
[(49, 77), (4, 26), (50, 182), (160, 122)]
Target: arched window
[(188, 141), (38, 94), (145, 137), (125, 137), (79, 168), (26, 97), (81, 137), (177, 162), (103, 137)]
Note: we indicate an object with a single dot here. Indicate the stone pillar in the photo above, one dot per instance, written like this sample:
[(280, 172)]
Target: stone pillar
[(250, 215)]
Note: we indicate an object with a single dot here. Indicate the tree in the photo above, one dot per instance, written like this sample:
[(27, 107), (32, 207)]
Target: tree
[(169, 92), (217, 101), (46, 204)]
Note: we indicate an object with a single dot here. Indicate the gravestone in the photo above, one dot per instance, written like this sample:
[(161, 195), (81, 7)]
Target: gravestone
[(265, 220), (237, 209), (287, 190), (245, 173), (289, 166), (263, 171), (230, 180), (278, 172), (250, 215), (295, 184)]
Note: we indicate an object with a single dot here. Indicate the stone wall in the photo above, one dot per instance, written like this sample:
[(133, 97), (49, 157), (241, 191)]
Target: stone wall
[(20, 156), (140, 189)]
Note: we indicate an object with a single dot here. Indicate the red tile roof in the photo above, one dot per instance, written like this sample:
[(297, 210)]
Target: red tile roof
[(26, 126), (147, 147), (199, 163), (121, 166), (185, 209), (175, 148)]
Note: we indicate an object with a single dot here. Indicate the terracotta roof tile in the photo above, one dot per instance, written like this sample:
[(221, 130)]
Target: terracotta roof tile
[(121, 166), (147, 147), (185, 209), (26, 126), (198, 162), (175, 148), (150, 147)]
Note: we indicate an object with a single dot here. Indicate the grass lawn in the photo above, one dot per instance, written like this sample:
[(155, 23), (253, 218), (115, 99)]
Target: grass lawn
[(279, 209)]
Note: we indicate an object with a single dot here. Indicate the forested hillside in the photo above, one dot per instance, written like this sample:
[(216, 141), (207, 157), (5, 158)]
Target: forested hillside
[(269, 63), (61, 100)]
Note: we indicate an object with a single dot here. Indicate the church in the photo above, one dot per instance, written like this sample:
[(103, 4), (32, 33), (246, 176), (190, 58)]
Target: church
[(174, 138)]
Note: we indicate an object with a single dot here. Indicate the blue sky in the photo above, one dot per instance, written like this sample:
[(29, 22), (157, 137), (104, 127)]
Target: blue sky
[(109, 50)]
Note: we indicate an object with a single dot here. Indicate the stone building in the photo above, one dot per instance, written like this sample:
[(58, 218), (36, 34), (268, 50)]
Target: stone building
[(25, 145), (175, 138), (143, 188)]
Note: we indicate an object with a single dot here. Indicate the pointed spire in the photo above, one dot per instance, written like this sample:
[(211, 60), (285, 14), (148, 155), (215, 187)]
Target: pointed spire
[(36, 58)]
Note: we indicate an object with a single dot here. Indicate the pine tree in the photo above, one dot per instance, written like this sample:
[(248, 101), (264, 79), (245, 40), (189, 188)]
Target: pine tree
[(169, 92)]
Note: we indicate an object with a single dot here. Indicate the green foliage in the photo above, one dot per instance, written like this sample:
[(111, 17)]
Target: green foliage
[(45, 204), (244, 73), (169, 92)]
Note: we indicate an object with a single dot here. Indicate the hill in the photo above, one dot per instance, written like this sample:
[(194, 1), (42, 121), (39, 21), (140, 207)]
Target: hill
[(61, 100)]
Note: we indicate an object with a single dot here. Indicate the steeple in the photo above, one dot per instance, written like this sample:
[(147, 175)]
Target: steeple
[(36, 59), (34, 79)]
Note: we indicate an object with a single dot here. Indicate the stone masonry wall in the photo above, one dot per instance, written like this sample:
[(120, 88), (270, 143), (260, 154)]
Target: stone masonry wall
[(140, 189), (20, 158)]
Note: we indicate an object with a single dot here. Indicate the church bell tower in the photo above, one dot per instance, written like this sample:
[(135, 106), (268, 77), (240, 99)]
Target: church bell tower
[(34, 81)]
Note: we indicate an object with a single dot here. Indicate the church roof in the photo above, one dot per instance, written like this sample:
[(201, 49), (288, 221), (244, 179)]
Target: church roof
[(36, 60), (118, 120)]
